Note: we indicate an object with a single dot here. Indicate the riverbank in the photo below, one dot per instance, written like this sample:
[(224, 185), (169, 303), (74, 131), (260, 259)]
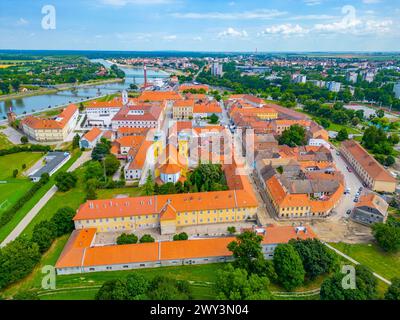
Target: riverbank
[(61, 87), (167, 71)]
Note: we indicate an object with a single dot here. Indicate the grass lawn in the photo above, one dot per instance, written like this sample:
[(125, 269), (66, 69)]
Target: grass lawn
[(4, 142), (111, 193), (385, 264), (14, 188), (5, 230)]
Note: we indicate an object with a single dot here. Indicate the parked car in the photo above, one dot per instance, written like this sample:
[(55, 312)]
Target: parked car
[(348, 211), (349, 169)]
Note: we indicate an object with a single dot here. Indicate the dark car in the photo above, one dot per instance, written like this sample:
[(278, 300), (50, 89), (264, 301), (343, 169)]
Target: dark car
[(348, 211)]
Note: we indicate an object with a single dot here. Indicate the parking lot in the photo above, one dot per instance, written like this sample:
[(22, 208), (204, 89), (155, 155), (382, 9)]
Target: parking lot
[(351, 181)]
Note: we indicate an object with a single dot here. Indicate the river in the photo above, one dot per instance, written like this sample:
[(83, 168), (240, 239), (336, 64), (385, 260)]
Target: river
[(46, 101)]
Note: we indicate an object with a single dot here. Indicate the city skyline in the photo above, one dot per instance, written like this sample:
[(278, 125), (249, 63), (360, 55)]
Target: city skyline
[(180, 25)]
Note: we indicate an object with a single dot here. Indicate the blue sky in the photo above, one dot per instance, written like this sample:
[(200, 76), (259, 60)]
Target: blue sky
[(203, 25)]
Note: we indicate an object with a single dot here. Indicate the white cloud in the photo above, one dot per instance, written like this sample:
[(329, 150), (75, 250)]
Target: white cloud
[(170, 37), (312, 2), (232, 33), (22, 22), (246, 15), (286, 29), (198, 39), (121, 3), (371, 1)]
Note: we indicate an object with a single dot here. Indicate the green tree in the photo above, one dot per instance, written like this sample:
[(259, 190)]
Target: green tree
[(387, 236), (101, 149), (146, 238), (342, 135), (137, 286), (231, 230), (247, 250), (65, 181), (317, 259), (26, 295), (17, 260), (62, 220), (75, 141), (365, 286), (113, 290), (149, 185), (164, 288), (393, 292), (112, 164), (44, 234), (236, 284), (127, 239), (24, 140), (288, 266), (15, 173), (380, 113), (214, 119), (181, 236), (294, 136), (93, 170)]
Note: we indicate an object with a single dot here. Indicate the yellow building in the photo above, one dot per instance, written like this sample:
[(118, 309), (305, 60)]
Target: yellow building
[(183, 109), (56, 129)]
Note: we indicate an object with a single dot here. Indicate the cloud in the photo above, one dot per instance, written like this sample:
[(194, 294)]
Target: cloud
[(312, 2), (371, 1), (232, 33), (22, 22), (246, 15), (122, 3), (198, 39), (285, 29), (170, 37)]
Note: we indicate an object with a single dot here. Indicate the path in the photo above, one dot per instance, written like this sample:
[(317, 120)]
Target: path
[(356, 262), (41, 203)]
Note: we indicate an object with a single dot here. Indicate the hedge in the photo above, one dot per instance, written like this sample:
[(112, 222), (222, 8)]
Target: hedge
[(9, 214), (31, 148)]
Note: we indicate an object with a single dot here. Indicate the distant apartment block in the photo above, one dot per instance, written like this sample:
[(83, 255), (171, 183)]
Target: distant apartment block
[(396, 90), (352, 77), (333, 86), (216, 69), (299, 78)]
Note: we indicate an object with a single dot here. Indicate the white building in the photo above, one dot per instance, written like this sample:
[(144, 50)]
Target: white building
[(333, 86), (216, 69), (299, 78), (352, 77)]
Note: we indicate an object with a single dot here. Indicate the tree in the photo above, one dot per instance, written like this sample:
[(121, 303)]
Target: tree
[(113, 290), (75, 141), (214, 119), (93, 170), (15, 173), (146, 238), (317, 259), (294, 136), (247, 250), (101, 149), (164, 288), (24, 140), (365, 286), (127, 239), (26, 295), (44, 234), (112, 164), (136, 286), (65, 181), (342, 135), (387, 236), (62, 221), (235, 284), (231, 230), (380, 113), (393, 292), (288, 266), (149, 185), (181, 236), (389, 161), (17, 260)]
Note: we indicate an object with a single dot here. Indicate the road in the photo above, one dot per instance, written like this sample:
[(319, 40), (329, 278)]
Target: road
[(41, 203), (351, 181)]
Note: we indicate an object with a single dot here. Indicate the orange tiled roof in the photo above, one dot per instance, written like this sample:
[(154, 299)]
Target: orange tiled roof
[(211, 107), (159, 96), (58, 123), (185, 87), (165, 250), (368, 162), (92, 134)]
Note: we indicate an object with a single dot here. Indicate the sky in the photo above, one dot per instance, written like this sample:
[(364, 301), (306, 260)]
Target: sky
[(201, 25)]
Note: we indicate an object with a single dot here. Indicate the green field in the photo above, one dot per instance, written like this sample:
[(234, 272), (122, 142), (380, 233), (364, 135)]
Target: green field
[(4, 142), (385, 264), (12, 189), (4, 231)]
